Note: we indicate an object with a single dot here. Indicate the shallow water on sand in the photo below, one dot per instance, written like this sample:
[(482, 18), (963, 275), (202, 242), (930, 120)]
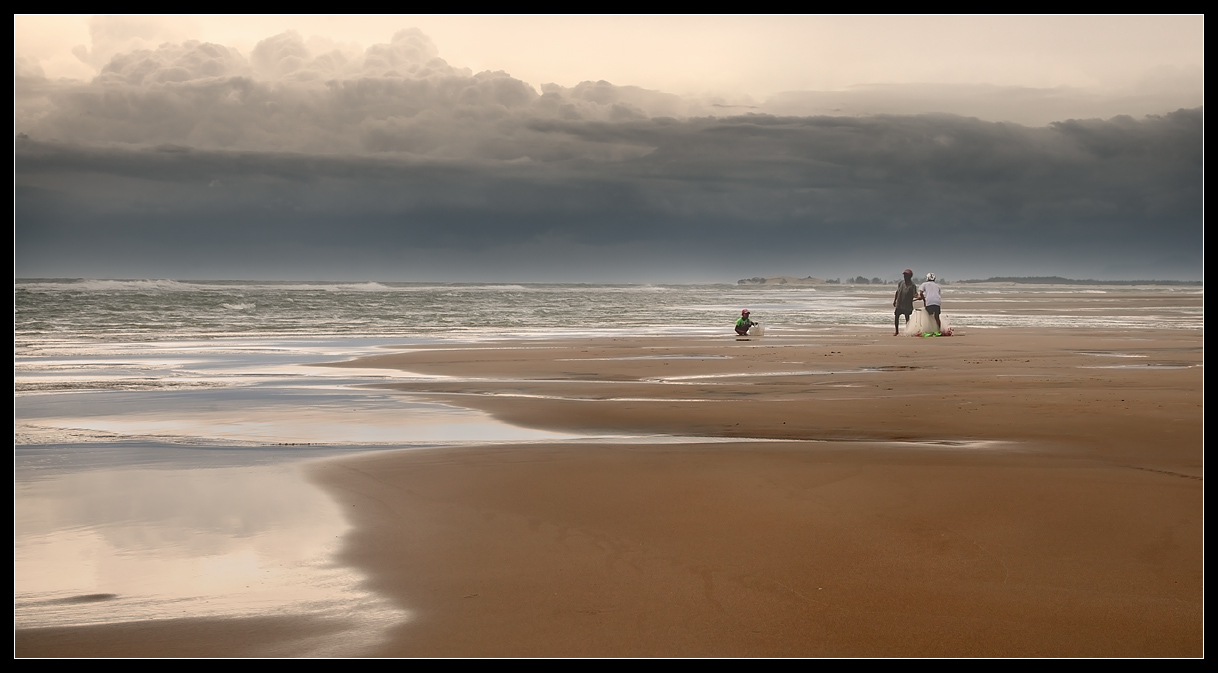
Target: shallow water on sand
[(210, 537), (158, 480)]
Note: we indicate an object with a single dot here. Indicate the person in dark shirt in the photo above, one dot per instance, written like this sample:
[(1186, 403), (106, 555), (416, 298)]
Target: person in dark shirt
[(903, 301)]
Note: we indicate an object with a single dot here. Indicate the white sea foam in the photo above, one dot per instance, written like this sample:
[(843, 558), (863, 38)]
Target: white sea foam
[(359, 287)]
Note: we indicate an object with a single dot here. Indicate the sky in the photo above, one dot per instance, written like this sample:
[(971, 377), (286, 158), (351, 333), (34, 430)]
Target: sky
[(607, 149)]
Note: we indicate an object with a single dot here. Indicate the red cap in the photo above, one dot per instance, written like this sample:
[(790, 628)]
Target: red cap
[(744, 311), (908, 272)]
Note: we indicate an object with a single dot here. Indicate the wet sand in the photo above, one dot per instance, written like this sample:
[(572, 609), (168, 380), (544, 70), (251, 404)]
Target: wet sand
[(217, 637), (1000, 493)]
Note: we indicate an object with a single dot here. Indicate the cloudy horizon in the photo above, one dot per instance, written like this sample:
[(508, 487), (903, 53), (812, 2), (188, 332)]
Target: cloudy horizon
[(304, 155)]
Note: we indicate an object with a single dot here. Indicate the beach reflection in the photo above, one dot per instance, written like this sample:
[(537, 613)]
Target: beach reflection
[(266, 414), (153, 487), (115, 545)]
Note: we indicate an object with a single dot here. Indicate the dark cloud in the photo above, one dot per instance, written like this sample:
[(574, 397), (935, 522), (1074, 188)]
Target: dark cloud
[(392, 163)]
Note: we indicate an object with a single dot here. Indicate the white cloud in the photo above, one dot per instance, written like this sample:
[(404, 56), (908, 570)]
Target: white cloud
[(186, 62)]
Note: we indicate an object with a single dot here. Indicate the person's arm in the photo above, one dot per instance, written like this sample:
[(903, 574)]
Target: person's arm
[(896, 296)]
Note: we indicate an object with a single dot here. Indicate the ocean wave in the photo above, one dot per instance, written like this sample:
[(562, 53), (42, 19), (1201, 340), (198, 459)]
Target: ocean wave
[(357, 287), (168, 285), (513, 288), (161, 310), (462, 288), (373, 286), (370, 286), (96, 285)]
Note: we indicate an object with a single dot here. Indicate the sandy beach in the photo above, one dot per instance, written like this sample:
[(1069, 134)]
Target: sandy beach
[(999, 493), (1003, 493)]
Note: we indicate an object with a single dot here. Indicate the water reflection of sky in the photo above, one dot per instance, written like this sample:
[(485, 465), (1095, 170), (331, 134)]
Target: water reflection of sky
[(245, 390), (163, 480), (281, 412), (134, 543)]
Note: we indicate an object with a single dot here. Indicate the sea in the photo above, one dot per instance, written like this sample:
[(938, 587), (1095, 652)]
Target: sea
[(162, 427)]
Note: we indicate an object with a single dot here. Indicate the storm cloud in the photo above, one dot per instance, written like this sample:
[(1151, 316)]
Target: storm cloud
[(191, 159)]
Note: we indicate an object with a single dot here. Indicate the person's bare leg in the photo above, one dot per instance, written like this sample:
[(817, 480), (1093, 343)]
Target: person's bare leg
[(896, 324)]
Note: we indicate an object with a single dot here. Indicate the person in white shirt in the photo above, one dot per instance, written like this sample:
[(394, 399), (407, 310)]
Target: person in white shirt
[(930, 293)]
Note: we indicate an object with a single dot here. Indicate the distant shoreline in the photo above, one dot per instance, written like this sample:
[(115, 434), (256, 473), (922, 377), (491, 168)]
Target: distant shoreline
[(1022, 280), (1057, 280)]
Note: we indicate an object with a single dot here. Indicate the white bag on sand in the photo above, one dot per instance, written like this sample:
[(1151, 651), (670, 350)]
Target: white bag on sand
[(922, 322), (757, 330)]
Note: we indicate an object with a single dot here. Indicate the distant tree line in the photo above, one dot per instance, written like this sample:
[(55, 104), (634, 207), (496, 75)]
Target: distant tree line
[(791, 280), (863, 280)]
